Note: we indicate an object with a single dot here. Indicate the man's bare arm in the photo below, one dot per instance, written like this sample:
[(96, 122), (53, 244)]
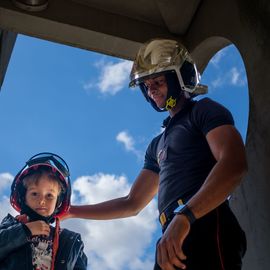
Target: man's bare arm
[(142, 192), (228, 149)]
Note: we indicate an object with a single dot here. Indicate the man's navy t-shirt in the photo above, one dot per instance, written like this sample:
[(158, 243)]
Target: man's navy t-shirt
[(181, 154)]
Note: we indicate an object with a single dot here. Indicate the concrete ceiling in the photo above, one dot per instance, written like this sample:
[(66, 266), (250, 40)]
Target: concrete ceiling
[(118, 27), (111, 27)]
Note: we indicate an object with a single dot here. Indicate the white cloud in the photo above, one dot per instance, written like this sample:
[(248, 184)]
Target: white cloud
[(88, 85), (215, 60), (6, 207), (233, 77), (127, 140), (237, 77), (93, 189), (113, 77), (5, 183), (218, 82), (113, 244)]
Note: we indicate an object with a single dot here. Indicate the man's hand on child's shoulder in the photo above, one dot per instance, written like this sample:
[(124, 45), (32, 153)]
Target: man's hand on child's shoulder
[(67, 214)]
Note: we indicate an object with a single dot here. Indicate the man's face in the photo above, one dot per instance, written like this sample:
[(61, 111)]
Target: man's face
[(157, 90), (42, 196)]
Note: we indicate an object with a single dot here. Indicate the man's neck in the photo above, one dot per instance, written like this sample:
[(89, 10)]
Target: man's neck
[(179, 106)]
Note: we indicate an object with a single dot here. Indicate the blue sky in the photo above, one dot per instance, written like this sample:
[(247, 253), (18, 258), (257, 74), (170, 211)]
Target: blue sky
[(77, 104)]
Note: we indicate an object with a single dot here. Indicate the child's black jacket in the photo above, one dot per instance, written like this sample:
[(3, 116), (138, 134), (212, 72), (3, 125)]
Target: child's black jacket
[(15, 250)]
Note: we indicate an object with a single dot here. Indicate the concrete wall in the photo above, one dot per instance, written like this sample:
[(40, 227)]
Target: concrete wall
[(246, 25)]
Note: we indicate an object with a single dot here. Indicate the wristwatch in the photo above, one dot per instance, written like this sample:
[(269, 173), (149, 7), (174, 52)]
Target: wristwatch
[(184, 210)]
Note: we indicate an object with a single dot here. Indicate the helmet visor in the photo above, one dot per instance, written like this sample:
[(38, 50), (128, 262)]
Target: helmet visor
[(188, 79), (51, 159)]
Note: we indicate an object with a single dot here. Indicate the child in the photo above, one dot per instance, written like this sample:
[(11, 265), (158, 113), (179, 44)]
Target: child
[(41, 193)]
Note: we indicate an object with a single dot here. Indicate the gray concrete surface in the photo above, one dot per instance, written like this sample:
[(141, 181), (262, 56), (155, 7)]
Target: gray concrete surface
[(118, 28)]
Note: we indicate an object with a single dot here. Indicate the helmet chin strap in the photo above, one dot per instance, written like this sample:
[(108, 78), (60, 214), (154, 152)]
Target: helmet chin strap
[(174, 91), (170, 103), (34, 216)]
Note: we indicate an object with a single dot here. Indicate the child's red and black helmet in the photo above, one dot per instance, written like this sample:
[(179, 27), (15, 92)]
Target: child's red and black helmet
[(58, 167)]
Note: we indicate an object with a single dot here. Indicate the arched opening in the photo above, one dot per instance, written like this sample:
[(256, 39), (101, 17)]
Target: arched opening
[(76, 103), (226, 78)]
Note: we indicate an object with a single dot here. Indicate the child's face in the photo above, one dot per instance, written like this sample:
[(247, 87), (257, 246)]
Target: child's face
[(42, 196)]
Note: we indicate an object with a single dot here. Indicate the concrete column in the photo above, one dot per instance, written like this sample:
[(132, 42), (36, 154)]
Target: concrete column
[(246, 24)]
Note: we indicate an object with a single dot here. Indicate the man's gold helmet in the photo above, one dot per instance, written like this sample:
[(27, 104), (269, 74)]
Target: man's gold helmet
[(162, 57)]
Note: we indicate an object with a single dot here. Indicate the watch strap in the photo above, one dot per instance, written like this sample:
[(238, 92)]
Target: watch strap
[(188, 213)]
